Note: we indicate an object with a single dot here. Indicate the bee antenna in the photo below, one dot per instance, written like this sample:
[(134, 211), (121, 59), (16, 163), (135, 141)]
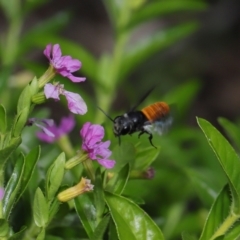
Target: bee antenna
[(105, 114)]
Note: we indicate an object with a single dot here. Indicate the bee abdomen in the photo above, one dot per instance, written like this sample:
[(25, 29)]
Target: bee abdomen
[(156, 111)]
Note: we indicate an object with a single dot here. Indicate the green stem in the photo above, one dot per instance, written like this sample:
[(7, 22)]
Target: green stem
[(31, 232), (226, 225), (11, 42), (2, 186), (66, 146), (105, 96)]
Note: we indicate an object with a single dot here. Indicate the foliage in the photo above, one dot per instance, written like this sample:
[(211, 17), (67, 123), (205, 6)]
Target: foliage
[(193, 194)]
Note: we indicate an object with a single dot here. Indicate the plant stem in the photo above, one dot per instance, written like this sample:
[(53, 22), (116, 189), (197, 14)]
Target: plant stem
[(105, 96), (228, 222), (31, 232)]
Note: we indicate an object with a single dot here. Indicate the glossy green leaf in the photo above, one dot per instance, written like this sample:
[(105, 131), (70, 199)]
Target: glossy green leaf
[(99, 195), (130, 220), (145, 157), (112, 233), (101, 228), (18, 235), (231, 130), (3, 119), (54, 176), (160, 8), (40, 209), (119, 180), (217, 214), (150, 45), (86, 212), (30, 164), (7, 151), (227, 157), (13, 186)]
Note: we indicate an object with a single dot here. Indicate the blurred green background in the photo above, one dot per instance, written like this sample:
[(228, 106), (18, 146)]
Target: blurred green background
[(198, 73)]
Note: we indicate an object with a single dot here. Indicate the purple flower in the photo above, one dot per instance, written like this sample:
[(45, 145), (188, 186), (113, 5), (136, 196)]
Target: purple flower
[(44, 124), (66, 125), (2, 192), (64, 65), (92, 134), (75, 103)]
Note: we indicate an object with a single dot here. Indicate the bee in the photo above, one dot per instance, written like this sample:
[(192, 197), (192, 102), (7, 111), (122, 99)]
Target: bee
[(153, 118)]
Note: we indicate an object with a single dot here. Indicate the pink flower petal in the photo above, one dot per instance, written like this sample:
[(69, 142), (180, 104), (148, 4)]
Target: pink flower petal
[(67, 124), (106, 163), (75, 103), (56, 52), (47, 51), (2, 192), (51, 91)]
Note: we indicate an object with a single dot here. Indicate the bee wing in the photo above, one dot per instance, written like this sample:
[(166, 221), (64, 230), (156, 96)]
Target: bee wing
[(142, 99), (159, 126)]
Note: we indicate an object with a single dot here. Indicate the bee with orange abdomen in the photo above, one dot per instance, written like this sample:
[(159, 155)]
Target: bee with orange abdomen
[(153, 118)]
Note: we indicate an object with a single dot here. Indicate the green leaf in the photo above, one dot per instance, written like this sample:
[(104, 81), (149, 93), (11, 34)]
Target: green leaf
[(7, 151), (3, 119), (41, 235), (20, 122), (24, 100), (217, 213), (145, 157), (101, 228), (112, 10), (30, 163), (98, 195), (86, 212), (122, 155), (40, 209), (54, 176), (142, 50), (13, 186), (183, 96), (160, 8), (119, 180), (53, 209), (4, 228), (233, 233), (227, 158), (113, 235), (18, 235), (187, 236), (231, 130), (130, 220)]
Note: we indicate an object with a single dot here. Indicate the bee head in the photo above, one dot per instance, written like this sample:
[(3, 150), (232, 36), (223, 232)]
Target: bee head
[(122, 125)]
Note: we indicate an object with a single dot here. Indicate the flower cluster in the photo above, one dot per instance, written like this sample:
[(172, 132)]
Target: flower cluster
[(92, 134), (93, 148)]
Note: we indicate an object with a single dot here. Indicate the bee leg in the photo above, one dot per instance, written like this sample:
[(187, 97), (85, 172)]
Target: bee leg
[(150, 139), (141, 133), (119, 140)]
